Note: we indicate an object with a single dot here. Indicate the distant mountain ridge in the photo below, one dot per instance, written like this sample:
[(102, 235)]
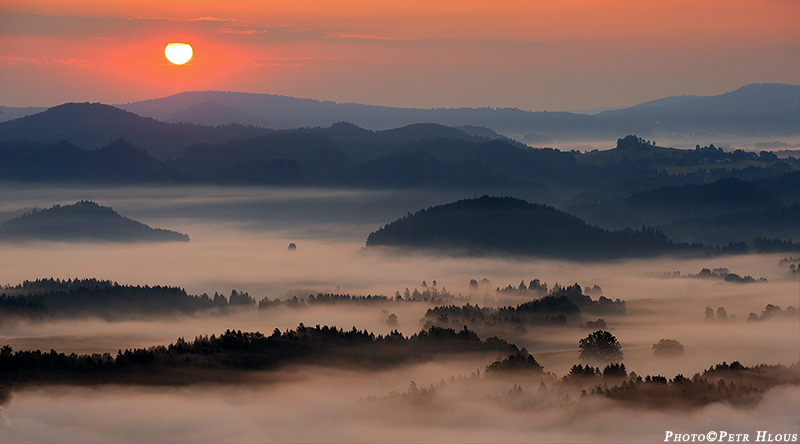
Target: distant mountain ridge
[(14, 112), (756, 109), (213, 114), (83, 221), (288, 112)]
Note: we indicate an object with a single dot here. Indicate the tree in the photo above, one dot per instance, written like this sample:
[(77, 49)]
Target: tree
[(709, 310), (521, 362), (600, 346), (667, 348)]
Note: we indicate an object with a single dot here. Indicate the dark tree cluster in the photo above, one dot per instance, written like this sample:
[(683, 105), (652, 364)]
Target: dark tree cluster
[(770, 312), (632, 142), (731, 383), (668, 348), (577, 295), (22, 307), (767, 245), (728, 383), (711, 154), (774, 312), (46, 285), (699, 156), (53, 298), (535, 288), (428, 295), (548, 310), (561, 305), (581, 298), (727, 276), (720, 317), (792, 265), (56, 298), (600, 346), (234, 352), (518, 363)]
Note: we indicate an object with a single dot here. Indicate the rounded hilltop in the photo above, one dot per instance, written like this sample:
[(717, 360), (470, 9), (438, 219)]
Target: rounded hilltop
[(83, 221), (506, 225)]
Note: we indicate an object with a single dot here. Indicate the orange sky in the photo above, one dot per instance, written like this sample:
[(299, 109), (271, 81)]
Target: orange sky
[(531, 54)]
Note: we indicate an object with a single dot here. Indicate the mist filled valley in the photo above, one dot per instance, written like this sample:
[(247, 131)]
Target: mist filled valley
[(448, 347), (399, 222)]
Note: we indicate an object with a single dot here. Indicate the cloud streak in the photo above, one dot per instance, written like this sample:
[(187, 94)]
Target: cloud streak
[(7, 60)]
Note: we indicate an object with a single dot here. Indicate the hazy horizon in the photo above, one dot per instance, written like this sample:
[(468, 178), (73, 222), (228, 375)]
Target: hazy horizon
[(535, 56)]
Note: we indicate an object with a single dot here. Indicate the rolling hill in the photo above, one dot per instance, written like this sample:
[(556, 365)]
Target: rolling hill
[(757, 110), (94, 125), (764, 109), (504, 225), (81, 222)]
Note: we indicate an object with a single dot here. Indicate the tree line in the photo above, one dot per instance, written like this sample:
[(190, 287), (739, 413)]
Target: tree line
[(228, 356), (50, 298)]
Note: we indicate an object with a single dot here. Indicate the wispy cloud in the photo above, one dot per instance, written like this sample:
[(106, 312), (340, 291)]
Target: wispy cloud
[(173, 19), (7, 60), (207, 19), (283, 61), (71, 63), (353, 36), (11, 60)]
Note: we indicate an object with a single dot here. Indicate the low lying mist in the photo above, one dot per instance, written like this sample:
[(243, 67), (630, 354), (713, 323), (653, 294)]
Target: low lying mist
[(318, 405), (239, 240)]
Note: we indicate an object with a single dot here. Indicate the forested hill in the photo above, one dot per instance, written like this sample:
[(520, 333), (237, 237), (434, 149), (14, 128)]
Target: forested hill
[(82, 221), (493, 225), (93, 125), (234, 353)]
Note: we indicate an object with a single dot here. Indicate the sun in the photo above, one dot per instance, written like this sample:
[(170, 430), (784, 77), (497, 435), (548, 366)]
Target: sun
[(178, 53)]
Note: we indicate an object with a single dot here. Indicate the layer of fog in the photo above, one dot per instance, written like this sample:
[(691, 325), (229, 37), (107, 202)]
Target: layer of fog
[(302, 212), (238, 241), (318, 405)]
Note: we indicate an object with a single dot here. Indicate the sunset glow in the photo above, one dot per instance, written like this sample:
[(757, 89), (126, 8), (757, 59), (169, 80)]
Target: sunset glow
[(553, 55)]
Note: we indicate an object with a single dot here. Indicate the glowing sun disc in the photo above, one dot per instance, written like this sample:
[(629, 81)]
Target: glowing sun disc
[(178, 53)]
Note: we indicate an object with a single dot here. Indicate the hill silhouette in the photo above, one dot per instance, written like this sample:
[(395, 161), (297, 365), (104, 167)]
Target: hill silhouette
[(119, 162), (93, 125), (744, 226), (295, 113), (82, 221), (757, 110), (753, 110), (497, 225), (213, 114), (422, 170), (726, 194), (12, 112)]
